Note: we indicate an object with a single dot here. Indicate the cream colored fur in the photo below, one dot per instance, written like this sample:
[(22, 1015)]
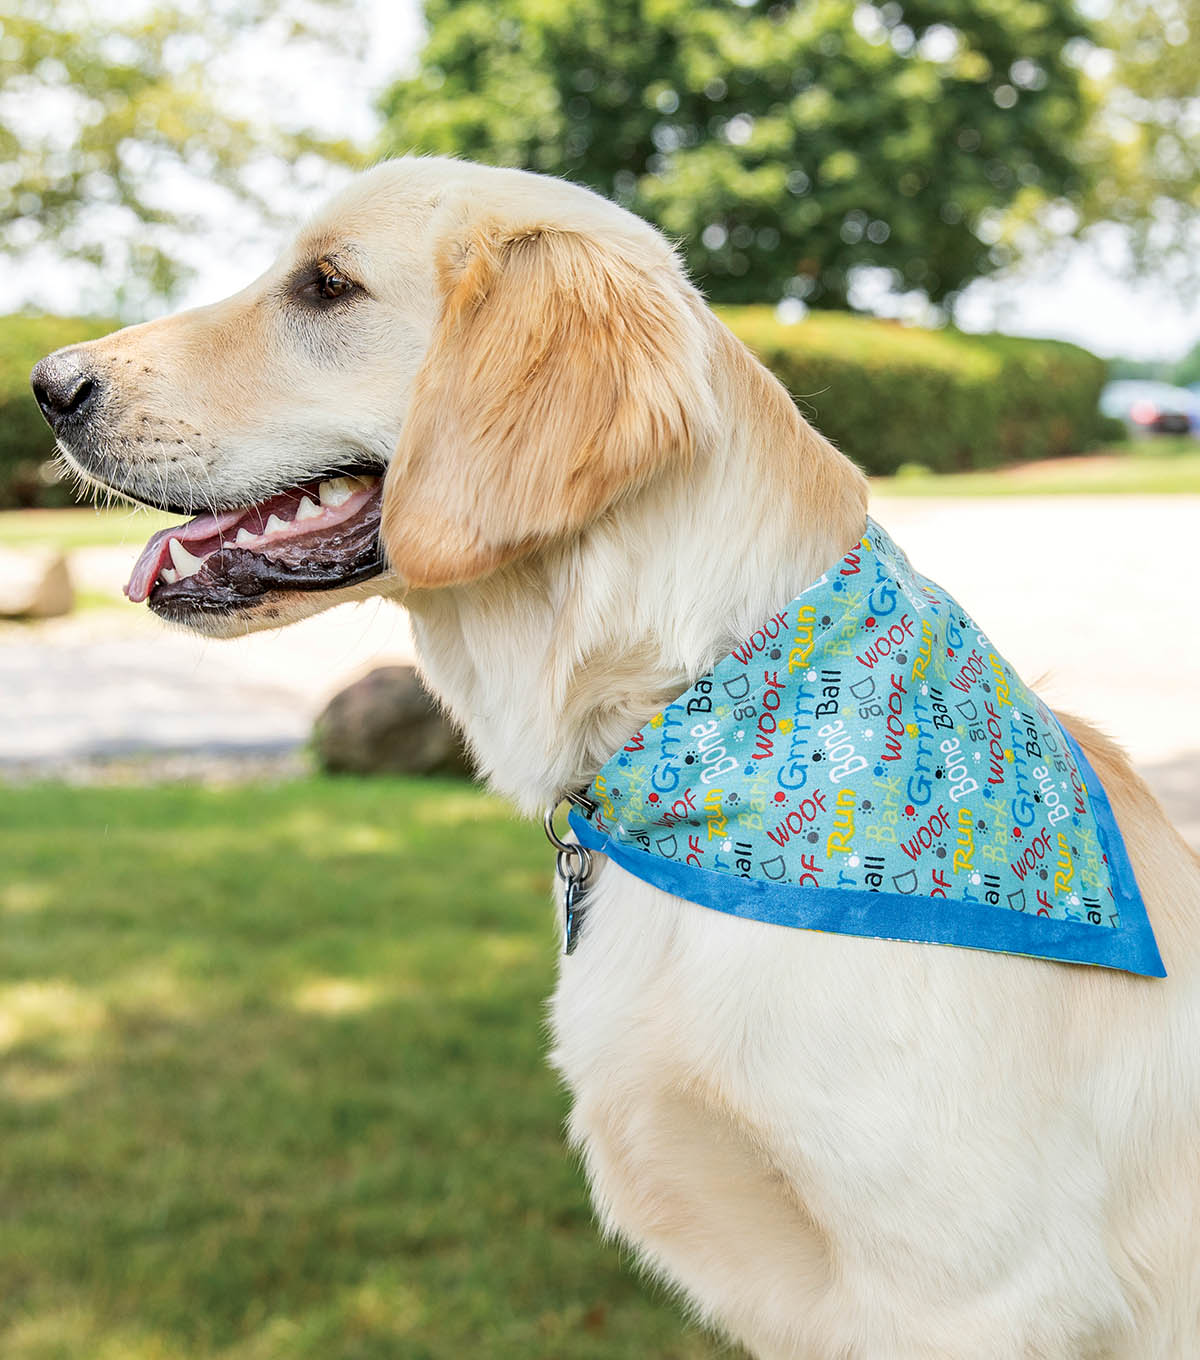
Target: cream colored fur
[(837, 1148)]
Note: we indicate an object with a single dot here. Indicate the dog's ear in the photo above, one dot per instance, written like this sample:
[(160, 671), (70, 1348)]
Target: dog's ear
[(561, 375)]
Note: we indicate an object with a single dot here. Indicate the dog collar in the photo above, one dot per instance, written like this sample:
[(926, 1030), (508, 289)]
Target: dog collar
[(866, 763)]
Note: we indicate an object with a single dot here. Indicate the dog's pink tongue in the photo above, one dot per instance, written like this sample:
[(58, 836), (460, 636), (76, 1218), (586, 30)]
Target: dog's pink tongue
[(154, 554)]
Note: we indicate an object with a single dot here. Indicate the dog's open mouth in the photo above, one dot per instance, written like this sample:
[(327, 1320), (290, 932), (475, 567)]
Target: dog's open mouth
[(318, 535)]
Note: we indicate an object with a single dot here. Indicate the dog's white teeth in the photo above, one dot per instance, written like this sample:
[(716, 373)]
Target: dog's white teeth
[(168, 576), (244, 536), (185, 563), (307, 509), (275, 525), (366, 481), (334, 492)]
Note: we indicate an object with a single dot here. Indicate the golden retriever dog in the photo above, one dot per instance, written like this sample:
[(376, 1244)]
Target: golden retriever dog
[(586, 492)]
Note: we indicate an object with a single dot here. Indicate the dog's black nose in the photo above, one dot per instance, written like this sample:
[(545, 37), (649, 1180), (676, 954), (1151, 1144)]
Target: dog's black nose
[(64, 387)]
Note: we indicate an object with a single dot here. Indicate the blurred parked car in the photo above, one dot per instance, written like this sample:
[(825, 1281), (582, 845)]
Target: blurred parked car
[(1152, 407)]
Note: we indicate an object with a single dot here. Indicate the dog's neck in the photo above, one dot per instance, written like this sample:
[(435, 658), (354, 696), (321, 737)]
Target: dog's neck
[(551, 664)]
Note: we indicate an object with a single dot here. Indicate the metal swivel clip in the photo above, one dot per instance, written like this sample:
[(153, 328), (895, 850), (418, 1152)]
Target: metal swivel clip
[(573, 865)]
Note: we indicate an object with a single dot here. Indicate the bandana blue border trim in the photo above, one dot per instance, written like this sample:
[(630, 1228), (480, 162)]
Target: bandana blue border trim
[(926, 920)]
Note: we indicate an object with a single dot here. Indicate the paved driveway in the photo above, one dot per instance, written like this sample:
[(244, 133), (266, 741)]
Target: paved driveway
[(1096, 594), (1093, 598), (117, 684)]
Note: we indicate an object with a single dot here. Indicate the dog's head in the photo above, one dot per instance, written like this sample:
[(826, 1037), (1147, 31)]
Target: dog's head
[(450, 368)]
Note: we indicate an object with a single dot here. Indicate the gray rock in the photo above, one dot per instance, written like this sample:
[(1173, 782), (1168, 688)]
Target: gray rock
[(386, 723)]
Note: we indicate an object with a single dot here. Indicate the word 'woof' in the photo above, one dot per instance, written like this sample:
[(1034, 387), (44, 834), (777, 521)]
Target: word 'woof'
[(886, 642), (761, 638)]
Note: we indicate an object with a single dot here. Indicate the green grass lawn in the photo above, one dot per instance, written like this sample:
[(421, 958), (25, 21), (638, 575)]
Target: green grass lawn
[(1160, 466), (84, 527), (272, 1085)]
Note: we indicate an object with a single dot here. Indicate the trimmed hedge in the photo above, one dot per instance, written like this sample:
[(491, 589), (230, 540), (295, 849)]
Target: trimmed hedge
[(888, 394), (25, 439)]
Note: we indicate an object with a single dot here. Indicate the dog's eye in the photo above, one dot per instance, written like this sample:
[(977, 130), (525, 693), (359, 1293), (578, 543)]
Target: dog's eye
[(332, 285)]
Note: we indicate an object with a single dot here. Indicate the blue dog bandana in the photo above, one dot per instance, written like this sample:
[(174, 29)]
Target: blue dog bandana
[(865, 763)]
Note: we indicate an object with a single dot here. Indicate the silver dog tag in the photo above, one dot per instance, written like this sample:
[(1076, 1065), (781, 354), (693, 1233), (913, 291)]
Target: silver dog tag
[(574, 906)]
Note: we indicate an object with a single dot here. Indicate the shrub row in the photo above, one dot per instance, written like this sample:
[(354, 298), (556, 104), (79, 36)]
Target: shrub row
[(890, 395), (25, 440), (886, 394)]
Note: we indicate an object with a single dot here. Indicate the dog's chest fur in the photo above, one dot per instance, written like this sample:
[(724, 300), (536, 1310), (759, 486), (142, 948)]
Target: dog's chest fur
[(845, 1147)]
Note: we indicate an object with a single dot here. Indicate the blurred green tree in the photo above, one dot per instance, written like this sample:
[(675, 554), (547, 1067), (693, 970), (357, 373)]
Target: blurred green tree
[(784, 143), (1144, 139), (103, 119)]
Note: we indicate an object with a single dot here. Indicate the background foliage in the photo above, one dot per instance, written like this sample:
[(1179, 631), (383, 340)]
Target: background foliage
[(1143, 141), (889, 395), (789, 142), (25, 440), (784, 143), (114, 130)]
